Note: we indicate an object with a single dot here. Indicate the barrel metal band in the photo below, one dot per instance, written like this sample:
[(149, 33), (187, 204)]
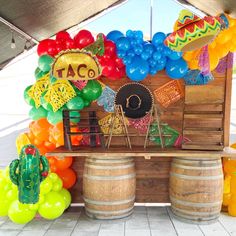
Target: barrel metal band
[(192, 177), (118, 177), (197, 167), (190, 212), (110, 212), (195, 204), (110, 203), (109, 167)]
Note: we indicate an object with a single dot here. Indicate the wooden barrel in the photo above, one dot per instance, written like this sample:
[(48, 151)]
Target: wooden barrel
[(196, 189), (109, 187)]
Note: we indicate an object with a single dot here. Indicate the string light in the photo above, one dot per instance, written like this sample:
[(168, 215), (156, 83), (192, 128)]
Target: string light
[(27, 45), (13, 43)]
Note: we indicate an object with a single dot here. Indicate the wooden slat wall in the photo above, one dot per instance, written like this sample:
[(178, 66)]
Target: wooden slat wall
[(152, 178), (153, 175)]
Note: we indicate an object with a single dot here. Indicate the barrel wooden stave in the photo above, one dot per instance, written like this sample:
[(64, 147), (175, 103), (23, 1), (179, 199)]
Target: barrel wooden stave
[(109, 187), (196, 189)]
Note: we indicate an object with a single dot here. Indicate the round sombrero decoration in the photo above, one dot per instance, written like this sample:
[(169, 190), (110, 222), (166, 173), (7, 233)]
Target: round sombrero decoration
[(192, 32), (136, 100)]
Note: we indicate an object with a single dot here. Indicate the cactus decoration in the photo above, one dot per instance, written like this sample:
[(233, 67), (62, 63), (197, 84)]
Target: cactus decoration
[(28, 172)]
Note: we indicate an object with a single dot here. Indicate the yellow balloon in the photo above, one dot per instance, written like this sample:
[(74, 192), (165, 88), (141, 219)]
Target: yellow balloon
[(188, 56), (226, 199), (214, 60), (233, 46)]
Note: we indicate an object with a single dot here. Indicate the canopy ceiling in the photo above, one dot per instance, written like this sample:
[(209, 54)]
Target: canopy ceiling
[(41, 19), (212, 7)]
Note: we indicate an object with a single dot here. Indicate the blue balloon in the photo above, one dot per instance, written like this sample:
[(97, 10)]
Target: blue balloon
[(160, 48), (153, 70), (158, 38), (130, 53), (133, 43), (176, 69), (167, 51), (127, 60), (145, 55), (129, 33), (122, 43), (138, 34), (162, 60), (160, 66), (114, 35), (175, 55), (121, 54), (149, 48), (138, 69), (156, 56), (152, 62), (138, 49)]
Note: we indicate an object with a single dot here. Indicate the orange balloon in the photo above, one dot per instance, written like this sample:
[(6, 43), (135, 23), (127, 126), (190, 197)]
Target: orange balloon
[(52, 162), (40, 129), (63, 163), (230, 167), (57, 134), (50, 146), (42, 150), (37, 142), (68, 177)]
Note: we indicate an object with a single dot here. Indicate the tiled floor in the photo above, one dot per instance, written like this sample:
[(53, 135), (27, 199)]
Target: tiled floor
[(146, 221)]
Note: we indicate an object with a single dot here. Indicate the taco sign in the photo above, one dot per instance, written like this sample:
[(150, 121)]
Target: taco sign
[(76, 65)]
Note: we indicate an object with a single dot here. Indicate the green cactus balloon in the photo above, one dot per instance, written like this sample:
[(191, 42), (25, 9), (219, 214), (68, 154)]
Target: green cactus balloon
[(28, 172)]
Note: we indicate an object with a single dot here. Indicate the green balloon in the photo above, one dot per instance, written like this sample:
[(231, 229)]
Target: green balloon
[(38, 73), (53, 206), (54, 117), (20, 213), (46, 186), (92, 90), (4, 204), (37, 113), (12, 194), (86, 103), (57, 186), (75, 114), (54, 177), (66, 196), (78, 92), (47, 106), (45, 62), (27, 98), (75, 103)]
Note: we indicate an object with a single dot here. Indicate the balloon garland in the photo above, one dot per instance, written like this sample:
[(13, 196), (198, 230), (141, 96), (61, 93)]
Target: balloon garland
[(116, 55)]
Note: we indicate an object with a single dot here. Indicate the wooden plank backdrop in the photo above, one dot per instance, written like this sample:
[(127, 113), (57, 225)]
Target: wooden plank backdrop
[(153, 175)]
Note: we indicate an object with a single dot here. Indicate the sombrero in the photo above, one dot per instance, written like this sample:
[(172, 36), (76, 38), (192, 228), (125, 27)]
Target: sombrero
[(192, 32), (135, 99)]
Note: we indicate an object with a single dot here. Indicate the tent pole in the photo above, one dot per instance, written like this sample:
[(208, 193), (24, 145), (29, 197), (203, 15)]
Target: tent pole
[(151, 16)]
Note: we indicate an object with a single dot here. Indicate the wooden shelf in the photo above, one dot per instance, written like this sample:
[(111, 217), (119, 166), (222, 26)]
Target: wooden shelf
[(141, 152)]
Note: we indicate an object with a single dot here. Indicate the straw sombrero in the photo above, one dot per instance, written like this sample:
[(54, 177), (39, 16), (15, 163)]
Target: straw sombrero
[(135, 99)]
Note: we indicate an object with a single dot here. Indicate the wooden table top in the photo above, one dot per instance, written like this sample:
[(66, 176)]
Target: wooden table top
[(141, 152)]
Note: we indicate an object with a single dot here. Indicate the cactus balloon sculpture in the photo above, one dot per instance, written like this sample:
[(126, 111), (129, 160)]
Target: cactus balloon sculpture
[(27, 172)]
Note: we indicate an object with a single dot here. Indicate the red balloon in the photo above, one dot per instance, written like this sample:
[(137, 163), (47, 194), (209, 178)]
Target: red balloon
[(119, 62), (47, 46), (63, 36), (109, 68), (83, 39), (68, 177), (69, 44), (110, 48)]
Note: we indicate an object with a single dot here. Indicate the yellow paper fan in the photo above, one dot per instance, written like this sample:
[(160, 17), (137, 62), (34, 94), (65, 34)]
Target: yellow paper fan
[(38, 88), (59, 93)]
